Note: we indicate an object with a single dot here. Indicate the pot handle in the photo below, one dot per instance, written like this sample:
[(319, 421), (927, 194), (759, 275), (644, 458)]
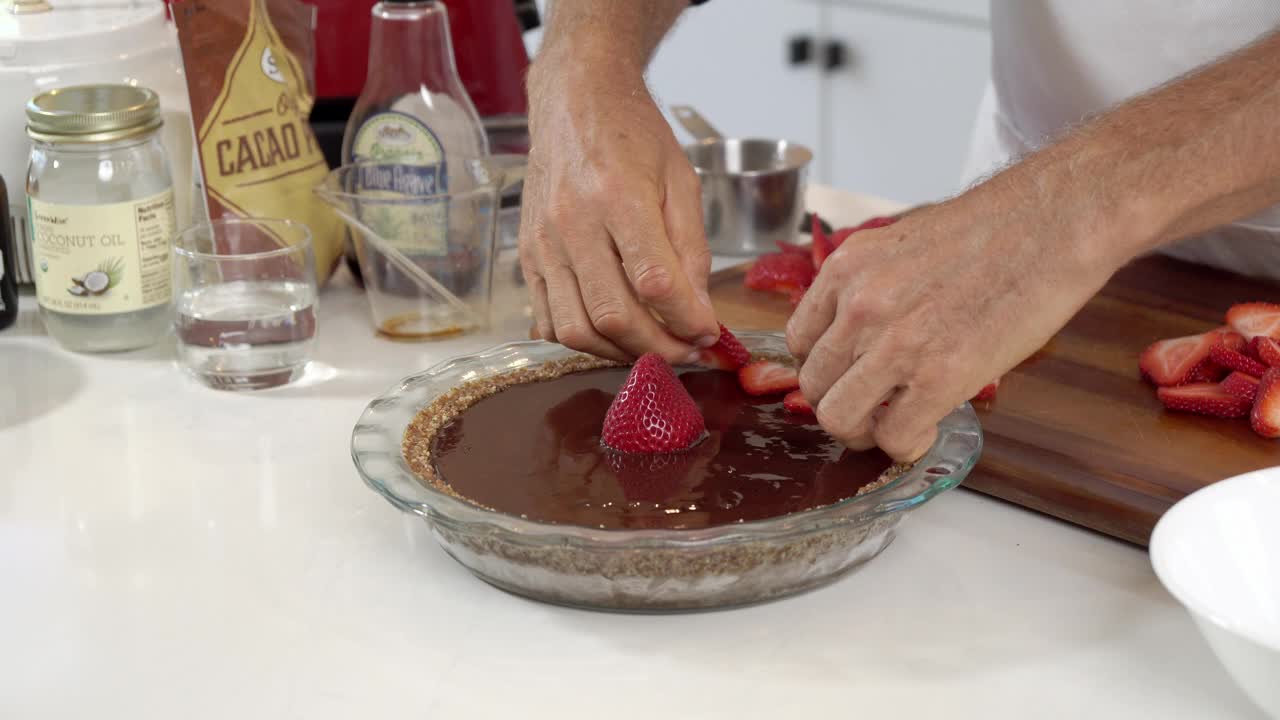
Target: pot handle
[(694, 123)]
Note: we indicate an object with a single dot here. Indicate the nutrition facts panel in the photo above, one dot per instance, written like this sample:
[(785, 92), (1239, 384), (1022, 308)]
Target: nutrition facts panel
[(156, 225)]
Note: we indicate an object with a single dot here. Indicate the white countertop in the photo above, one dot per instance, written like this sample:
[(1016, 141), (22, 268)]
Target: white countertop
[(169, 551)]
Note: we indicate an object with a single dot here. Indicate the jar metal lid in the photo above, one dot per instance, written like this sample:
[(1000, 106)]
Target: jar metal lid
[(93, 113)]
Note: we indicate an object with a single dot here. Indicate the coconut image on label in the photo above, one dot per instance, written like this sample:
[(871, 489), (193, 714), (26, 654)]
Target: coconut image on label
[(98, 282)]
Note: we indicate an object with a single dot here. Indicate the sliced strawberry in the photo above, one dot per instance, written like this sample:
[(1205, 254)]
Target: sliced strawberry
[(1204, 399), (652, 412), (988, 392), (794, 402), (780, 272), (1242, 386), (727, 354), (821, 247), (1265, 417), (1266, 349), (1231, 339), (1234, 360), (839, 236), (787, 247), (765, 377), (1171, 362), (1206, 371), (1254, 319)]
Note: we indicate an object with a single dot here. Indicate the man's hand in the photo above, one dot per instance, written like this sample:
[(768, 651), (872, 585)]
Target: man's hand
[(612, 218), (925, 312)]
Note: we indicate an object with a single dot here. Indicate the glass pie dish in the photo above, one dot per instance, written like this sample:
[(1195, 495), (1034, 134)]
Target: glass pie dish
[(648, 570)]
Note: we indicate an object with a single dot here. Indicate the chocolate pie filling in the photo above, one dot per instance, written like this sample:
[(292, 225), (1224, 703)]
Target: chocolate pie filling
[(534, 450)]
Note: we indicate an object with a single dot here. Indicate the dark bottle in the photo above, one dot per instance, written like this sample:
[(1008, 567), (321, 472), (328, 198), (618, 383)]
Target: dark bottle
[(8, 274)]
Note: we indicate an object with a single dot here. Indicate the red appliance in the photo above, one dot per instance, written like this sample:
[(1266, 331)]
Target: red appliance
[(487, 43)]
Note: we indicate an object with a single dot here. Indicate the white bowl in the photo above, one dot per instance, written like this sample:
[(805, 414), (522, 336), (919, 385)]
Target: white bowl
[(1218, 552)]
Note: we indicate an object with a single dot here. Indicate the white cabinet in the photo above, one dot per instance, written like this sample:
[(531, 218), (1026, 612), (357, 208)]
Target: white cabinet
[(900, 113), (730, 60)]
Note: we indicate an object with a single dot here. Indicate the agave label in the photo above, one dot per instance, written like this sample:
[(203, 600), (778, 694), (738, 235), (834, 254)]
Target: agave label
[(101, 259)]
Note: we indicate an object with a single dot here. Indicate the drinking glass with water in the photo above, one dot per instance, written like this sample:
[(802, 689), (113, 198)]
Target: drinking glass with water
[(245, 301)]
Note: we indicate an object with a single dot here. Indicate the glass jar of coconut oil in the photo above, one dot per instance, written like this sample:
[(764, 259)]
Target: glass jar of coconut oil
[(101, 214)]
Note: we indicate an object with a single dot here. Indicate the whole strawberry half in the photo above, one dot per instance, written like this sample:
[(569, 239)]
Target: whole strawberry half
[(1242, 386), (1225, 357), (1204, 399), (1206, 371), (652, 412), (1265, 417), (780, 272), (1254, 319), (727, 354), (1173, 361), (1266, 349)]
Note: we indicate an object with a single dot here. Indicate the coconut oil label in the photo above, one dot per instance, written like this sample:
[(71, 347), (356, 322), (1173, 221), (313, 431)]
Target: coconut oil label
[(412, 164), (100, 259)]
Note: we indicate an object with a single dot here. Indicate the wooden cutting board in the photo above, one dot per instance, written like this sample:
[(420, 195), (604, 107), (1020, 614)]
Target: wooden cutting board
[(1074, 432)]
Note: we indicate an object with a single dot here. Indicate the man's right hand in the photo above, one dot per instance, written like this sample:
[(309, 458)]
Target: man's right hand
[(611, 230)]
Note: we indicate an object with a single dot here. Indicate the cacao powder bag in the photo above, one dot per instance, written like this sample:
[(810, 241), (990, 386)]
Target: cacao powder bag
[(249, 66)]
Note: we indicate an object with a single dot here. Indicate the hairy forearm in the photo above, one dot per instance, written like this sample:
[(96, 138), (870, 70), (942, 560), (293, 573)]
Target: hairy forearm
[(1199, 152), (608, 35)]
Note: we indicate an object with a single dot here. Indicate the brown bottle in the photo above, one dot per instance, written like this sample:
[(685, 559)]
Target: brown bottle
[(8, 273)]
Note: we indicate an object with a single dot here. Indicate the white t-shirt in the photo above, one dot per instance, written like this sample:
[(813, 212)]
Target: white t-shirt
[(1056, 61)]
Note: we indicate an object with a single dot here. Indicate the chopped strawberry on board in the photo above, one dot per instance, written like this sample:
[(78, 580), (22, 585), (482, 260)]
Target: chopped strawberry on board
[(1231, 339), (766, 377), (727, 354), (1204, 399), (821, 247), (1242, 386), (1265, 417), (1266, 349), (1254, 319), (1171, 362), (1206, 371), (780, 272), (652, 412), (1235, 360), (795, 403)]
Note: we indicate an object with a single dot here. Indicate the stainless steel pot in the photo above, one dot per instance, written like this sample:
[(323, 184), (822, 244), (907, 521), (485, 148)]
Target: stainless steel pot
[(752, 189)]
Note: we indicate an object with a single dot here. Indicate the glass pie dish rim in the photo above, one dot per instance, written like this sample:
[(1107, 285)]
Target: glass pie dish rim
[(376, 451)]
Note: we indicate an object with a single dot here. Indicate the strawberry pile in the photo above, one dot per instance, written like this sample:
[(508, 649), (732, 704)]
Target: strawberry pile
[(1229, 372), (791, 270)]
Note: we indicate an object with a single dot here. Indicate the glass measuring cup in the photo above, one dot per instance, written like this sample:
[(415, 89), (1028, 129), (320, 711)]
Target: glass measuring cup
[(426, 256)]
